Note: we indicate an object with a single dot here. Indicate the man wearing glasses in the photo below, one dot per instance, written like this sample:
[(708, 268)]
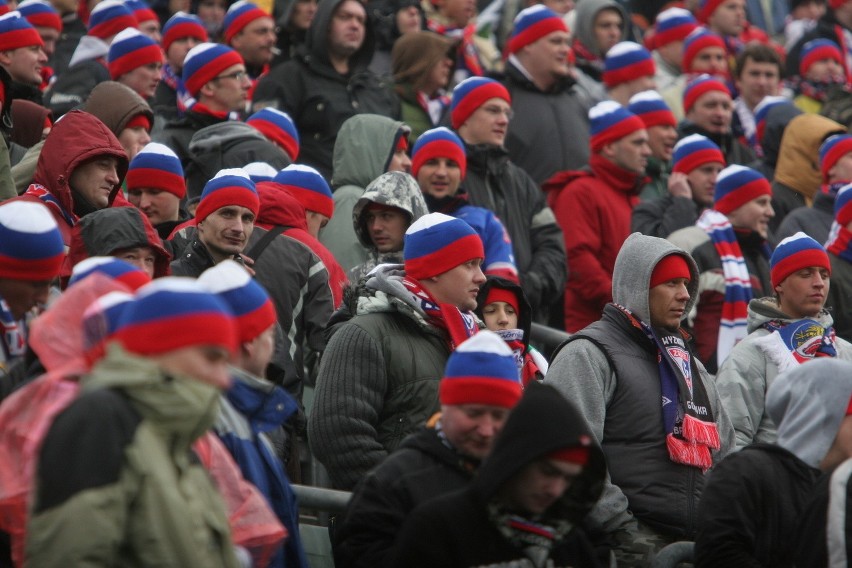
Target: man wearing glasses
[(251, 32)]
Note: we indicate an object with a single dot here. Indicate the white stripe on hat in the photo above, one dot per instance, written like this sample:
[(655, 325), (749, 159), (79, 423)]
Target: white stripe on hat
[(27, 217)]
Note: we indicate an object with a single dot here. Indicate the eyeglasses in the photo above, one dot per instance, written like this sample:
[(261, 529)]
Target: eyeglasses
[(495, 111), (238, 75)]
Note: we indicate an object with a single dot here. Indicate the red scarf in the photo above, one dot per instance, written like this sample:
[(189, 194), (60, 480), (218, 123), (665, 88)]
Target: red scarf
[(458, 325), (466, 49)]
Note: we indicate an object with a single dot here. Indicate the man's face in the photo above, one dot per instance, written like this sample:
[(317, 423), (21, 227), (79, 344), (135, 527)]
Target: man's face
[(713, 111), (547, 56), (667, 302), (386, 227), (255, 41), (539, 485), (204, 363), (228, 90), (672, 53), (49, 37), (662, 139), (754, 215), (143, 80), (758, 80), (23, 295), (24, 64), (158, 205), (212, 13), (140, 257), (458, 12), (472, 428), (316, 221), (458, 286), (711, 60), (400, 162), (303, 14), (630, 152), (561, 7), (802, 294), (607, 28), (639, 84), (500, 315), (151, 28), (439, 177), (177, 51), (226, 231), (702, 181), (842, 169), (133, 140), (348, 29), (408, 20), (258, 353), (729, 18), (66, 6), (488, 124), (824, 70), (96, 179)]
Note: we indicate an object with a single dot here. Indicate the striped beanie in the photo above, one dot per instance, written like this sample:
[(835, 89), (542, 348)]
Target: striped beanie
[(818, 50), (115, 268), (795, 253), (438, 143), (100, 320), (253, 311), (172, 313), (672, 25), (183, 25), (532, 24), (834, 148), (228, 187), (131, 49), (41, 13), (700, 86), (239, 15), (706, 9), (694, 151), (260, 171), (482, 370), (16, 32), (627, 61), (610, 122), (204, 62), (736, 186), (652, 109), (761, 111), (436, 243), (110, 17), (699, 39), (142, 11), (471, 94), (156, 166), (278, 127), (4, 7), (843, 205), (31, 246), (308, 187)]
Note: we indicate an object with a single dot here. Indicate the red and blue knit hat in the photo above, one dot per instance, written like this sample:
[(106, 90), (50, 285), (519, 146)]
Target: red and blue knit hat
[(699, 87), (278, 127), (308, 187), (627, 61), (471, 94), (610, 122), (171, 313), (736, 186), (693, 152), (4, 7), (100, 320), (31, 246), (156, 166), (843, 205), (110, 17), (436, 243), (116, 269), (204, 62), (131, 49), (41, 13), (796, 253), (672, 25), (239, 15), (695, 42), (532, 24), (761, 111), (652, 109), (260, 171), (229, 187), (834, 148), (482, 370), (706, 9), (818, 50), (183, 25), (253, 311), (142, 11), (16, 32), (438, 143)]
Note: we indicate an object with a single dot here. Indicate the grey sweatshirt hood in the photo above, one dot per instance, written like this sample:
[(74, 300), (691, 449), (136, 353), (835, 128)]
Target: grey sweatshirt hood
[(364, 147), (393, 189), (633, 268), (808, 404), (763, 310), (584, 27)]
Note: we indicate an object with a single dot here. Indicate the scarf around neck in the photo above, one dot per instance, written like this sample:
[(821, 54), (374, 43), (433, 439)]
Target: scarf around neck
[(791, 343), (840, 242), (467, 55), (535, 538), (14, 342), (458, 325), (527, 368)]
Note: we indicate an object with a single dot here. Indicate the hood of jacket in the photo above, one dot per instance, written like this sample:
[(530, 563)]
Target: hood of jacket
[(525, 315), (392, 189), (777, 120), (316, 40), (219, 134), (634, 265), (584, 24), (798, 157), (358, 163), (808, 404), (89, 47), (264, 404), (78, 137), (763, 310), (279, 207), (103, 232), (115, 104), (524, 440)]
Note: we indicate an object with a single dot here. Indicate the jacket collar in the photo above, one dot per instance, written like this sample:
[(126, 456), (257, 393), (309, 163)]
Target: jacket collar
[(615, 176)]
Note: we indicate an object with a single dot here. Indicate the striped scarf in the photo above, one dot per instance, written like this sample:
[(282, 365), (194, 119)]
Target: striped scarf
[(734, 324), (840, 242)]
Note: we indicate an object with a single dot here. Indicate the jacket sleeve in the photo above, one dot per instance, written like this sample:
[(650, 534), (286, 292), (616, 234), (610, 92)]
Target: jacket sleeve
[(582, 374), (348, 401), (7, 186), (423, 541), (317, 304), (741, 383), (499, 258), (24, 171), (545, 278), (285, 95), (662, 217)]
